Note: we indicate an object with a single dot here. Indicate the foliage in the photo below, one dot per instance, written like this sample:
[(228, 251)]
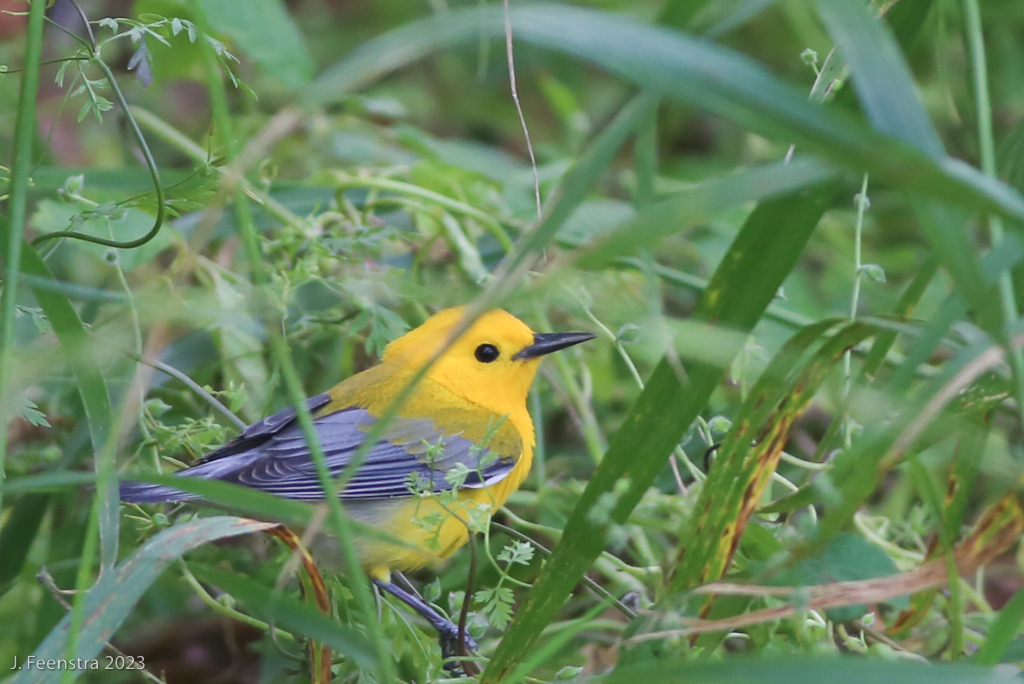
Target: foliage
[(793, 454)]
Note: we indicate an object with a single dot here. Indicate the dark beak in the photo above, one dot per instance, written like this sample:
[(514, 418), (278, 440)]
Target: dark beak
[(545, 343)]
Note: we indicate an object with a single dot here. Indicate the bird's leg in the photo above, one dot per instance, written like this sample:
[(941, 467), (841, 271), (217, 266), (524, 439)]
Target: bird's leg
[(447, 630)]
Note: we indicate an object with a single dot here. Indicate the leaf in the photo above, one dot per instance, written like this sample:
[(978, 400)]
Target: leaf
[(142, 63), (744, 283), (845, 558), (92, 386), (240, 345), (750, 452), (44, 482), (841, 670), (288, 612), (697, 205), (871, 52), (889, 96), (688, 69), (17, 535), (106, 222), (116, 591), (29, 411), (265, 31)]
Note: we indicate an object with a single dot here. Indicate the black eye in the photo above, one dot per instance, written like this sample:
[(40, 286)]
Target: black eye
[(486, 353)]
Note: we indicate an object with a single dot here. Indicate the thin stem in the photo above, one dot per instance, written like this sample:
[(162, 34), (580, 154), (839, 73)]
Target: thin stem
[(293, 384), (182, 143), (598, 590), (986, 144), (219, 607), (678, 453), (154, 172), (24, 134), (471, 668), (519, 110), (861, 201), (85, 22), (192, 385), (801, 463)]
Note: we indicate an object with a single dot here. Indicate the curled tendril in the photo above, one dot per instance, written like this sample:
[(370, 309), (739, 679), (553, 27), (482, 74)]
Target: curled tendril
[(161, 210)]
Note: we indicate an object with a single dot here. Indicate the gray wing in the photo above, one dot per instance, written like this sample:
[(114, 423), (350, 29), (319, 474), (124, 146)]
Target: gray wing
[(272, 456)]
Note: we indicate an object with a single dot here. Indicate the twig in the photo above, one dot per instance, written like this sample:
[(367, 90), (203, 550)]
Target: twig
[(600, 591), (192, 385), (519, 110), (320, 654)]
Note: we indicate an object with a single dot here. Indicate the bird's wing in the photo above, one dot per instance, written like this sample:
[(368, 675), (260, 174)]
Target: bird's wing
[(414, 455)]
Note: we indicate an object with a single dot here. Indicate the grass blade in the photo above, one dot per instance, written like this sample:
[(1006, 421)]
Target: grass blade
[(814, 671), (881, 75), (696, 205), (290, 613), (109, 601), (11, 231), (744, 283), (691, 70)]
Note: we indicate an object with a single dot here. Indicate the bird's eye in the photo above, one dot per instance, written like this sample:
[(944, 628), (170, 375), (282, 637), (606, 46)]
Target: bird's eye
[(486, 353)]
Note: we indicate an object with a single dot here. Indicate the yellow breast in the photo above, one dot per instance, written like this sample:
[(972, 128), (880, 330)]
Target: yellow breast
[(434, 527)]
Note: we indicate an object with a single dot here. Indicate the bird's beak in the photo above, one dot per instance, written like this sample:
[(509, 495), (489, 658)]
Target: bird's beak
[(545, 343)]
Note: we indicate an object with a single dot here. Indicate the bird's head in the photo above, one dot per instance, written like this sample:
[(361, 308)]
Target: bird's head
[(491, 364)]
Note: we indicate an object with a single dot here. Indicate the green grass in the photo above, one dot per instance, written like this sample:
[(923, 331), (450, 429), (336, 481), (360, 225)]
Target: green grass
[(795, 225)]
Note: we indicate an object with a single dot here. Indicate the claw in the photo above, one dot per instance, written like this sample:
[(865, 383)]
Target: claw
[(449, 641)]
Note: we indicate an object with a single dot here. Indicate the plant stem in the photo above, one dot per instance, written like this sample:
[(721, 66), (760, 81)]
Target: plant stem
[(24, 136), (983, 106), (986, 144), (858, 235), (280, 353)]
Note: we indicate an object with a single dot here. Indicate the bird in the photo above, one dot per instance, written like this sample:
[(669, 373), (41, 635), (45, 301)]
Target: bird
[(461, 443)]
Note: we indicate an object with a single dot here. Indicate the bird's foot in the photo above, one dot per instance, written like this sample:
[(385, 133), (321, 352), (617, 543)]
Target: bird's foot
[(451, 647)]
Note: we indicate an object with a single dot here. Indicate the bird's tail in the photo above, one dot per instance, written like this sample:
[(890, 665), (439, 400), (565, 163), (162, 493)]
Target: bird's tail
[(217, 469), (145, 492)]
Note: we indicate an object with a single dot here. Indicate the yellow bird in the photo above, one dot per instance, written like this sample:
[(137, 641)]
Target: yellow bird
[(465, 428)]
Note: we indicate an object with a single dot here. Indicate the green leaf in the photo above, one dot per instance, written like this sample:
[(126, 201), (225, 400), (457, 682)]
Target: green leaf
[(18, 533), (116, 591), (845, 558), (744, 283), (107, 221), (289, 612), (880, 73), (889, 96), (851, 670), (695, 206), (264, 31), (691, 70), (46, 482), (750, 452), (92, 386), (1002, 632)]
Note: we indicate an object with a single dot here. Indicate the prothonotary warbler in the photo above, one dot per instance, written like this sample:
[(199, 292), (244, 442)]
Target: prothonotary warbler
[(466, 418)]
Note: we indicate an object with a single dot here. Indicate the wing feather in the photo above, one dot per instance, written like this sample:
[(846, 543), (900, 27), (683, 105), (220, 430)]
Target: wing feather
[(272, 456)]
